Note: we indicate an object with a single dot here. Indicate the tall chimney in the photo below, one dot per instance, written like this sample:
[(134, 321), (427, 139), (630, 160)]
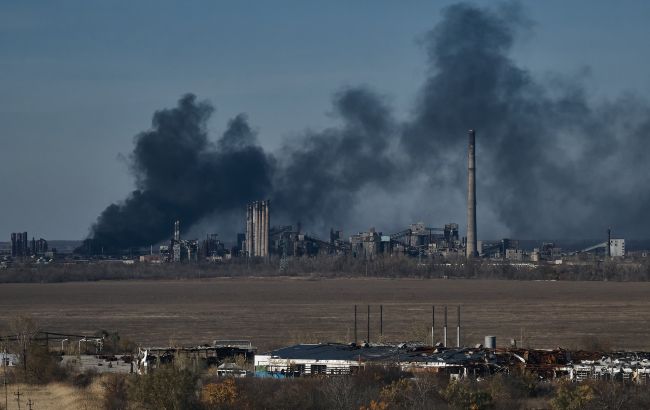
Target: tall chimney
[(471, 247), (609, 242), (177, 230)]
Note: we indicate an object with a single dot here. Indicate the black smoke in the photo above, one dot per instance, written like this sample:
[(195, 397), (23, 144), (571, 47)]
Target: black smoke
[(552, 162), (180, 174), (321, 174)]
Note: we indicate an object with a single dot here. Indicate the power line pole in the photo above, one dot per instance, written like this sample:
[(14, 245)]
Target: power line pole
[(5, 359), (18, 394)]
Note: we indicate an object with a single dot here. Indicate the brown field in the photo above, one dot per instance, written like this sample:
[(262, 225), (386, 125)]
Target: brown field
[(55, 396), (275, 311)]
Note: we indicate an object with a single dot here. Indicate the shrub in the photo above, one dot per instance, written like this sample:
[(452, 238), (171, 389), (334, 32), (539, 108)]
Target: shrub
[(165, 388), (218, 395), (570, 396), (115, 392)]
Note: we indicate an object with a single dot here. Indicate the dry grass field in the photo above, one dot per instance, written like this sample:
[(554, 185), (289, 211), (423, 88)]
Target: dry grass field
[(275, 311), (55, 396)]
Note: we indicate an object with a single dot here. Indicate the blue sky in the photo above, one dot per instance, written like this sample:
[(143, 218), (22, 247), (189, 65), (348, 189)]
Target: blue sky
[(79, 79)]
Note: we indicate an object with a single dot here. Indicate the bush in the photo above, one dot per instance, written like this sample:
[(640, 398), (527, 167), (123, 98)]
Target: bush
[(465, 395), (42, 367), (115, 392), (83, 380), (219, 395), (165, 388), (569, 396)]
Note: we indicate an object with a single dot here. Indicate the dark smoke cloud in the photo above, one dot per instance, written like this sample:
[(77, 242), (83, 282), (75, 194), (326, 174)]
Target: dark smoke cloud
[(551, 162), (181, 174), (321, 174)]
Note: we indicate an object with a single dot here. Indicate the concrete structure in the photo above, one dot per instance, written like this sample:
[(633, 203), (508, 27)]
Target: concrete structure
[(613, 248), (179, 250), (366, 244), (471, 249), (257, 229), (334, 359), (617, 247), (19, 245)]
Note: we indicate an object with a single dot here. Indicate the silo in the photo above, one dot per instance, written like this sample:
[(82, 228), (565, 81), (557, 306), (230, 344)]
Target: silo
[(490, 342)]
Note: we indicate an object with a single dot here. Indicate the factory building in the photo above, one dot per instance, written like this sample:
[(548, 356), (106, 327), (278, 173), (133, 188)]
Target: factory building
[(19, 245), (368, 244), (22, 247), (257, 229), (179, 250), (212, 249), (617, 247)]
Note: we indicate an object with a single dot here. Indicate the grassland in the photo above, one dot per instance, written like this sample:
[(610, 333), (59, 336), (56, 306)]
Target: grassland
[(55, 396), (275, 311)]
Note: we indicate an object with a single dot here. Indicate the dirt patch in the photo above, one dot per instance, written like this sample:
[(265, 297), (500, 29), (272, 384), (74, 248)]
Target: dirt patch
[(275, 311)]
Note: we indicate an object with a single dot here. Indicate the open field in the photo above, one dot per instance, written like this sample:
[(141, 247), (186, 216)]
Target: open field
[(276, 311), (55, 396)]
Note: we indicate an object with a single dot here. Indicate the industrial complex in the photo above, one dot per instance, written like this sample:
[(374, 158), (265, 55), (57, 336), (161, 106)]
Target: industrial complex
[(261, 239)]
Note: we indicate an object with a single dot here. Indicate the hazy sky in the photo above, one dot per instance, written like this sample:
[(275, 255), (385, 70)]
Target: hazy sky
[(79, 79)]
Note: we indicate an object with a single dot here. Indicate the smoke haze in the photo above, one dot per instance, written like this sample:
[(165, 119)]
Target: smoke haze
[(551, 162)]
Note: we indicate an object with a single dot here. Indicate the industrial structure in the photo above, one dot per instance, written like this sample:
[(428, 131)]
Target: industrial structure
[(257, 229), (21, 247), (334, 359), (179, 250), (471, 247)]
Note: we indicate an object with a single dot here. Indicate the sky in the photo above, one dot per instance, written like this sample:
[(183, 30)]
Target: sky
[(78, 79)]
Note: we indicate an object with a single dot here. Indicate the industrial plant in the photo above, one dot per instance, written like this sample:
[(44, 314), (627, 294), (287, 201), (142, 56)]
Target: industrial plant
[(261, 239)]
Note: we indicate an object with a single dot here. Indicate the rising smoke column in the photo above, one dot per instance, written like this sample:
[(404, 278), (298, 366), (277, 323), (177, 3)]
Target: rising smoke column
[(551, 162), (320, 175), (181, 174)]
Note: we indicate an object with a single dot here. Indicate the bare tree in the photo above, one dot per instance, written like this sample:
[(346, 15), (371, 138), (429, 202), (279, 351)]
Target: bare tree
[(25, 328)]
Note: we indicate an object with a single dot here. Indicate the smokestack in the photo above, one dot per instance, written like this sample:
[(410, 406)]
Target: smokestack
[(471, 246), (444, 329), (177, 231), (609, 242)]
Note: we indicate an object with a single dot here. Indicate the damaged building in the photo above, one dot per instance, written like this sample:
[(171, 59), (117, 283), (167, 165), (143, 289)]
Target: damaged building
[(179, 250), (457, 363)]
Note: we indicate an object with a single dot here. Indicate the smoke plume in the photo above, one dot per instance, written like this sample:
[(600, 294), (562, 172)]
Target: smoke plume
[(180, 174), (551, 161)]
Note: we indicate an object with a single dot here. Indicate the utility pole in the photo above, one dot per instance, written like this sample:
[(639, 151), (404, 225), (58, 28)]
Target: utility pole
[(433, 324), (444, 329), (18, 394), (355, 325), (458, 329), (5, 359), (381, 321), (30, 403), (368, 324)]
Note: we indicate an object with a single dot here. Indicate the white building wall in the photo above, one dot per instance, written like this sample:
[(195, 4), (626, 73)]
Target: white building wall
[(617, 247)]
